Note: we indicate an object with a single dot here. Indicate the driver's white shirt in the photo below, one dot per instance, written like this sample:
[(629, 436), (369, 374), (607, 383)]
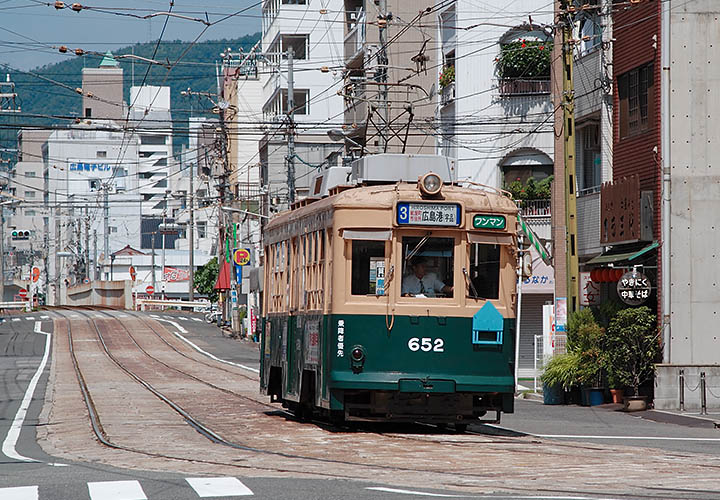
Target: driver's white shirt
[(412, 284)]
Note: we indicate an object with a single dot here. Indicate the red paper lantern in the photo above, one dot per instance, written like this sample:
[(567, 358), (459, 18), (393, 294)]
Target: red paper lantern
[(618, 274), (607, 275)]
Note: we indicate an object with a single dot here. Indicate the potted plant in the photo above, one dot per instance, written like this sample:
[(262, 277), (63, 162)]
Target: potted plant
[(447, 76), (584, 337), (631, 346), (559, 375)]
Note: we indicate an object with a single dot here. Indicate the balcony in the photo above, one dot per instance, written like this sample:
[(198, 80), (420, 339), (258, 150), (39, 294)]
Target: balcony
[(355, 40), (447, 94), (534, 208), (520, 87)]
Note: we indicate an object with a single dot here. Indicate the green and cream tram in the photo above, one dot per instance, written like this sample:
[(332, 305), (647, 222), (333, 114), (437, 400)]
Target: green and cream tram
[(392, 301)]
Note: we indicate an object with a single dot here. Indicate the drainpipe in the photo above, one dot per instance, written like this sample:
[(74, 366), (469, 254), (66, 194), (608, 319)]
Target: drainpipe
[(665, 151)]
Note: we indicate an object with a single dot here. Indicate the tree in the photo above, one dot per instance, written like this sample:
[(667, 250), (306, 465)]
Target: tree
[(631, 346), (205, 279)]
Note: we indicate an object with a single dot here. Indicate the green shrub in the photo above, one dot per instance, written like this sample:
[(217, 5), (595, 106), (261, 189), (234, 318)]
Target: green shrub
[(524, 59), (562, 371)]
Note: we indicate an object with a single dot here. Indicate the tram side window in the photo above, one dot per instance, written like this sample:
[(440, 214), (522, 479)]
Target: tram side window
[(484, 271), (367, 258), (428, 266)]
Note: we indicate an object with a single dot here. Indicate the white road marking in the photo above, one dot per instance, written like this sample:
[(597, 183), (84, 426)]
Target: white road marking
[(207, 487), (122, 316), (99, 316), (521, 497), (634, 438), (116, 490), (212, 356), (44, 317), (183, 318), (196, 319), (16, 319), (417, 493), (75, 316), (30, 318), (8, 446), (19, 493)]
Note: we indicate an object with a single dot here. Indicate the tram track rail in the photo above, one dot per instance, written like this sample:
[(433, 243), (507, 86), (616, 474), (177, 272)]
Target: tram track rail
[(106, 440)]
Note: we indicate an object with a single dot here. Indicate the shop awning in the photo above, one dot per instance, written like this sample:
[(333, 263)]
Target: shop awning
[(223, 281), (608, 258)]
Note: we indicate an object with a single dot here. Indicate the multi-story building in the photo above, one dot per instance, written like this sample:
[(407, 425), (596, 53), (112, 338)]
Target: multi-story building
[(391, 63), (314, 37)]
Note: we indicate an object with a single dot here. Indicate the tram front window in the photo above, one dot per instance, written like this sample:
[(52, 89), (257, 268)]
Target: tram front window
[(484, 271), (427, 266)]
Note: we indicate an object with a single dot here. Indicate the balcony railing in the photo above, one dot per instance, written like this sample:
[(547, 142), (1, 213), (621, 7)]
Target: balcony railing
[(517, 86), (447, 94), (534, 208)]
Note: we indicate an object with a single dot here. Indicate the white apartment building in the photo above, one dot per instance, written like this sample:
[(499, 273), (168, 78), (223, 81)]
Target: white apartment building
[(150, 116), (494, 117), (314, 31), (83, 166)]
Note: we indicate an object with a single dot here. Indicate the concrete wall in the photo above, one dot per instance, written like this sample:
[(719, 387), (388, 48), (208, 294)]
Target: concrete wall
[(115, 294), (667, 390)]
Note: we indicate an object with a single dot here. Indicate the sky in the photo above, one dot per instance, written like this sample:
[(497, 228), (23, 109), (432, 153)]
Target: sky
[(29, 28)]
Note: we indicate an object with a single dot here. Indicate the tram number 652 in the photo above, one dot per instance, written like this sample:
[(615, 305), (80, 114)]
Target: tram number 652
[(426, 344)]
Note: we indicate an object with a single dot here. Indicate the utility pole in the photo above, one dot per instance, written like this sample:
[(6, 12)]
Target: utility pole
[(191, 238), (164, 230), (96, 275), (58, 246), (87, 243), (2, 253), (382, 73), (568, 103), (291, 125), (152, 259), (106, 210)]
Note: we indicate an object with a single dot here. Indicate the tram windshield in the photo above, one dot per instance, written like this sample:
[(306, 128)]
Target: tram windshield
[(427, 266), (484, 273)]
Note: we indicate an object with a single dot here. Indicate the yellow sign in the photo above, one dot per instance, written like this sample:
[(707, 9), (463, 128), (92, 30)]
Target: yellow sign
[(241, 256)]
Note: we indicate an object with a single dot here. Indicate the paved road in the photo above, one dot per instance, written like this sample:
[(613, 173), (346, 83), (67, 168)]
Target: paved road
[(22, 351)]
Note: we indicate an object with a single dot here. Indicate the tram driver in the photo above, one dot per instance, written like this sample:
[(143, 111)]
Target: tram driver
[(420, 283)]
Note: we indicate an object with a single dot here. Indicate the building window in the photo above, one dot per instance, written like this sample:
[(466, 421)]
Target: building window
[(294, 2), (591, 157), (102, 154), (30, 213), (30, 173), (29, 194), (428, 265), (202, 229), (301, 101), (113, 229), (88, 112), (635, 92), (299, 44), (152, 139)]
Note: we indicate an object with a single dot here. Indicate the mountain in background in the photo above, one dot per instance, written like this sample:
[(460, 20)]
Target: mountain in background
[(196, 70)]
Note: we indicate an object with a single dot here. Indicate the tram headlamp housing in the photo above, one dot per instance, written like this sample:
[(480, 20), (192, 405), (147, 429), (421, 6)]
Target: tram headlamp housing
[(430, 184), (357, 358)]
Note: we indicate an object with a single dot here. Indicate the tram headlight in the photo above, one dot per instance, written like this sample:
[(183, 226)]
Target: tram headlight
[(357, 358), (430, 184)]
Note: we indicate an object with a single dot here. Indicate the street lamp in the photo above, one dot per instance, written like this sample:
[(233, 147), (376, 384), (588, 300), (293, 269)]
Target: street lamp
[(338, 134)]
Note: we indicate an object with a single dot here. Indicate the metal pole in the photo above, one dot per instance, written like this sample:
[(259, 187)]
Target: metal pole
[(152, 264), (2, 254), (96, 274), (703, 396), (191, 239), (666, 180), (518, 313), (382, 73), (291, 126), (87, 243), (162, 266), (681, 388), (106, 210), (58, 246)]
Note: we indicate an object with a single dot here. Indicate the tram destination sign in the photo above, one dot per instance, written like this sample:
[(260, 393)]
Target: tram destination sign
[(428, 214), (489, 222)]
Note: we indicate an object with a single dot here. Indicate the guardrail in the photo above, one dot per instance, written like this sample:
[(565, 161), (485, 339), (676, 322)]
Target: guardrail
[(15, 305), (172, 303)]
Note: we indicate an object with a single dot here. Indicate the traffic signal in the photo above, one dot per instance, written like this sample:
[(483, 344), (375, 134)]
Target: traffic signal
[(20, 234)]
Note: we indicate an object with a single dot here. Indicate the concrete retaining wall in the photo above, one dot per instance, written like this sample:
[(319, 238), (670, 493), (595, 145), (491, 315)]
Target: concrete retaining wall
[(667, 390), (115, 294)]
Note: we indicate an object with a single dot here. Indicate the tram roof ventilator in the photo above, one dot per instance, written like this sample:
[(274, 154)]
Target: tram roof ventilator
[(384, 168)]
